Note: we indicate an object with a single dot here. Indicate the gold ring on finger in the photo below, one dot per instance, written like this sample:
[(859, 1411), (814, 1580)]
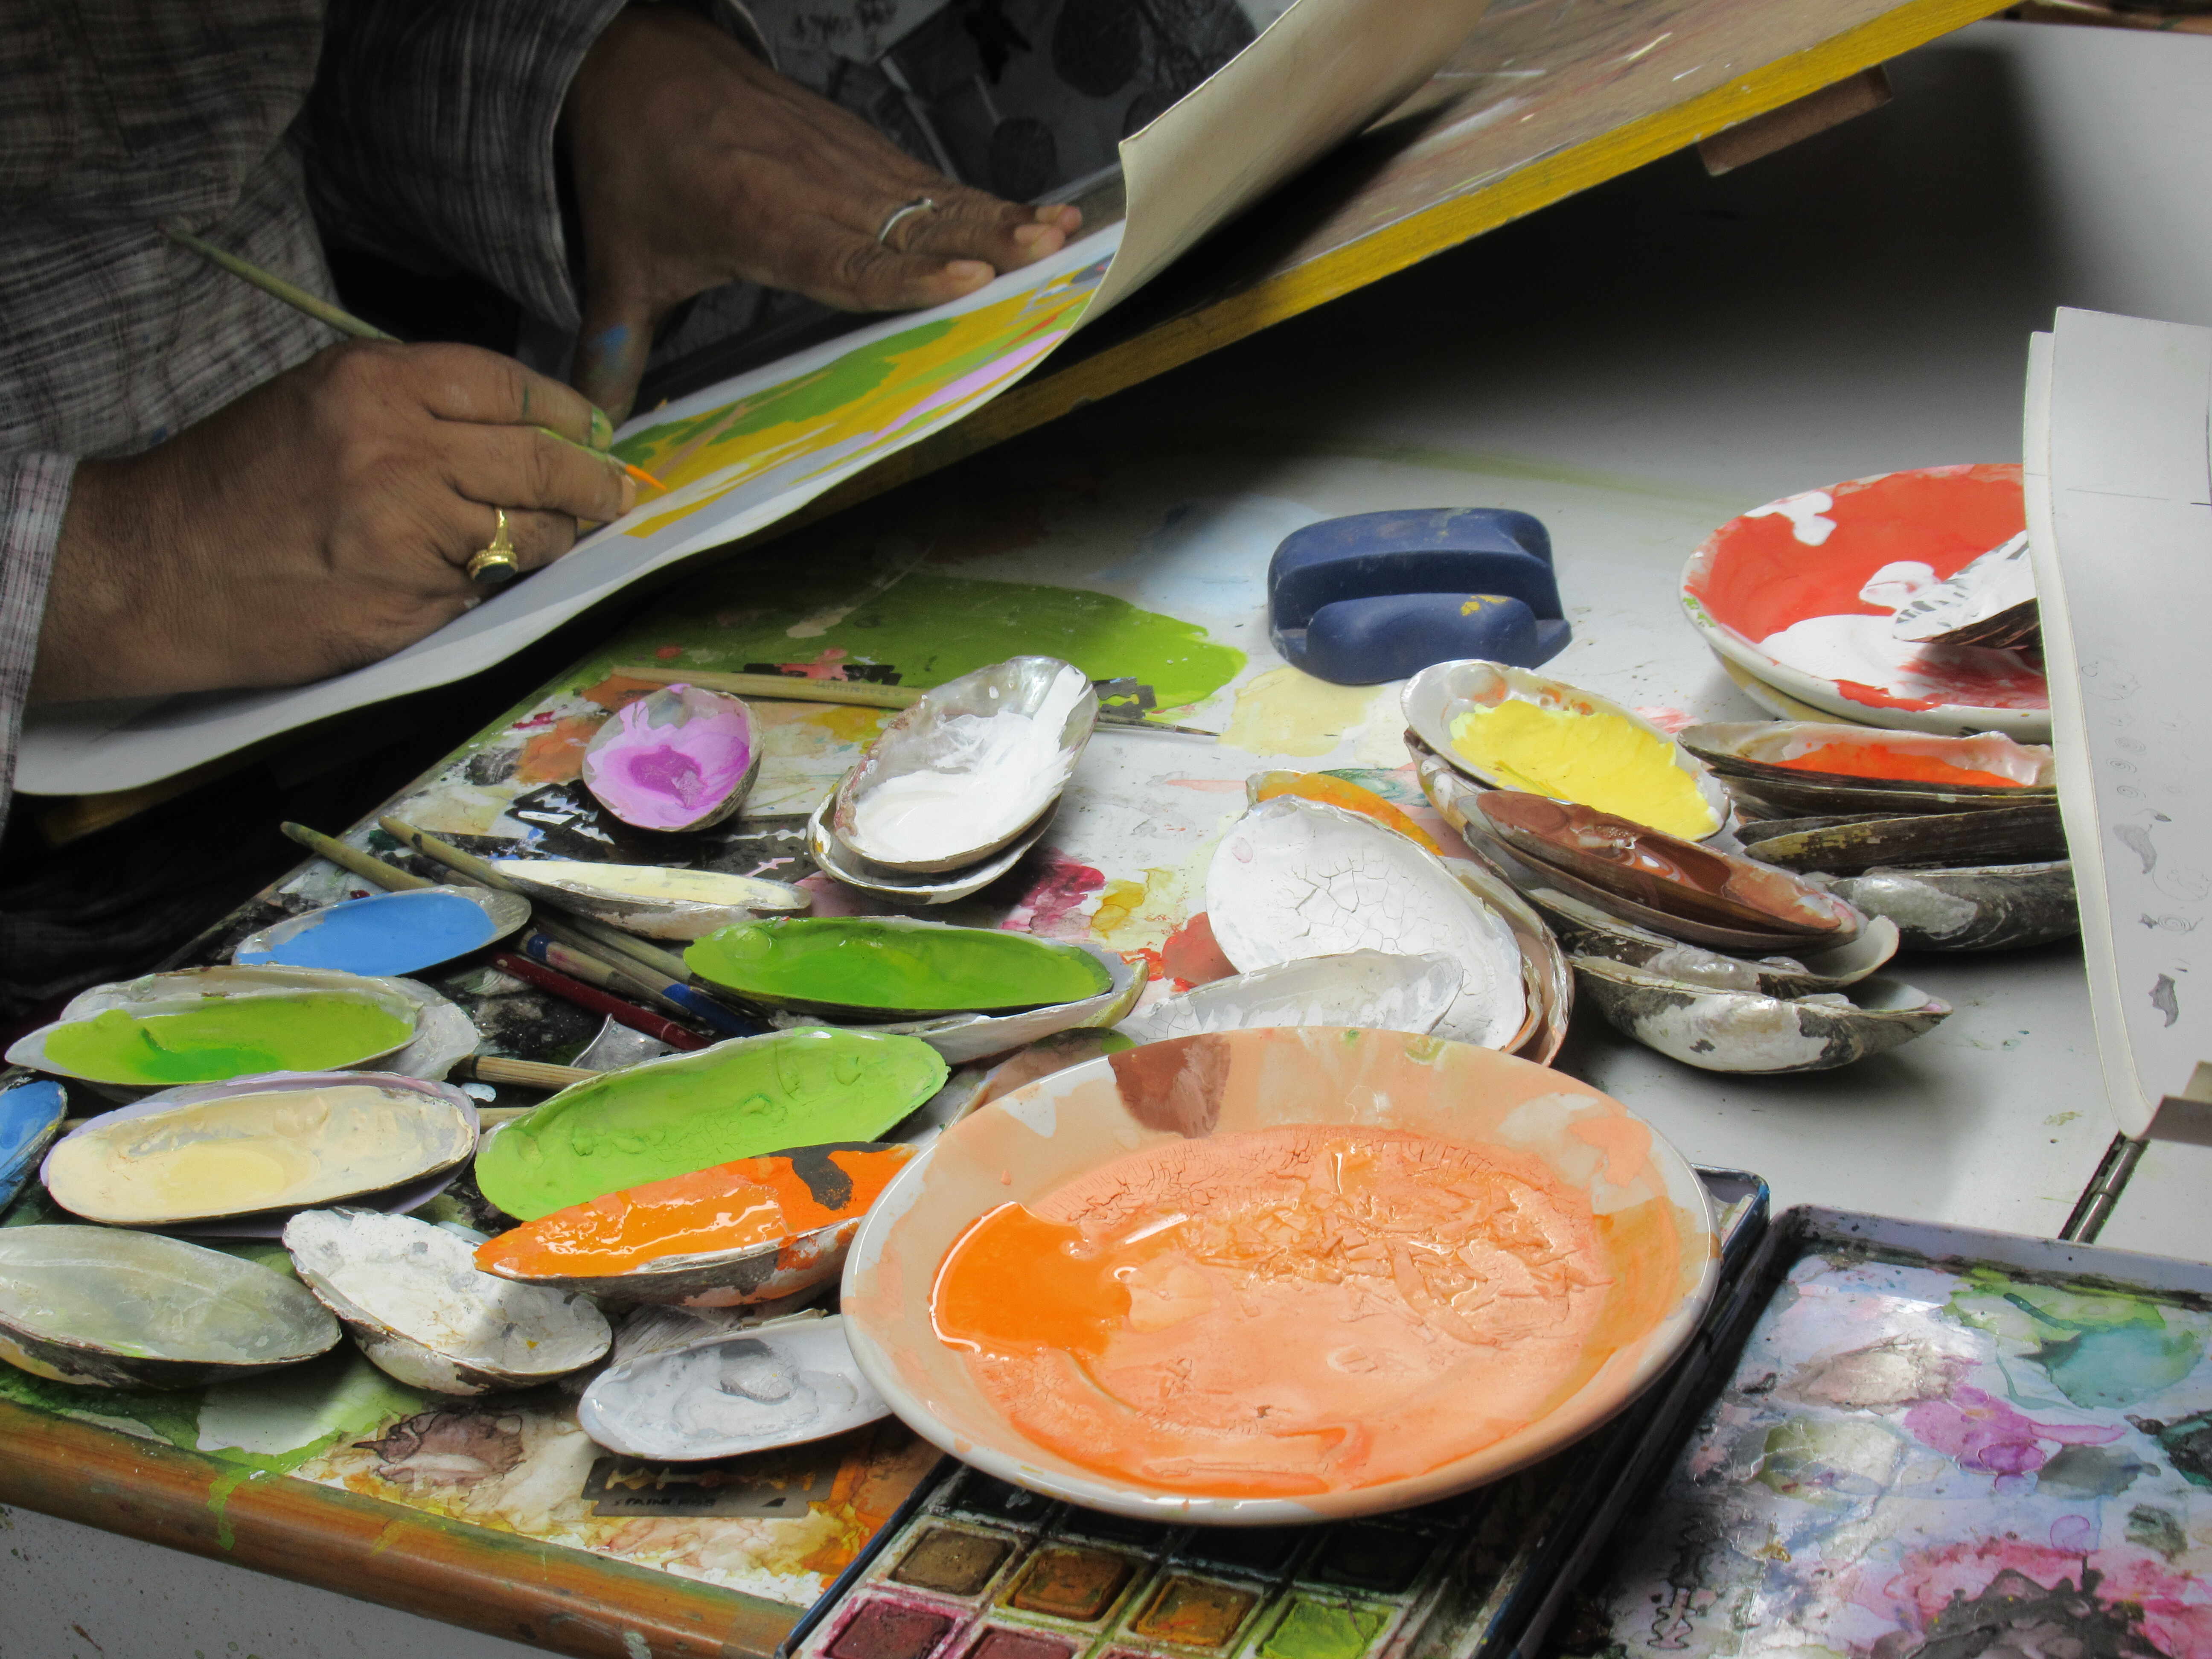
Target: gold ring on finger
[(497, 562), (899, 215)]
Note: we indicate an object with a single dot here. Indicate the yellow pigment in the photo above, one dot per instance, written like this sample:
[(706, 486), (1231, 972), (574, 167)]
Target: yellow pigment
[(1596, 759)]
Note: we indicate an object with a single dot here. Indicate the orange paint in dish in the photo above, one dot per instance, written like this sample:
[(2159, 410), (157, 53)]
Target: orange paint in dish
[(751, 1202), (1869, 760), (1303, 1309)]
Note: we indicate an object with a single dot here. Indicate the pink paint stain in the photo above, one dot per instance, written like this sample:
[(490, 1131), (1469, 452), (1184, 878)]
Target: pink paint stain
[(829, 665), (1666, 720), (1982, 1432), (668, 653), (1052, 908), (2176, 1616)]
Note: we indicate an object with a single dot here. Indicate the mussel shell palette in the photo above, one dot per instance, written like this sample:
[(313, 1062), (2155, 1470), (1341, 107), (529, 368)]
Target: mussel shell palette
[(1748, 1032), (114, 1309), (415, 1302), (885, 967), (286, 1141), (649, 899)]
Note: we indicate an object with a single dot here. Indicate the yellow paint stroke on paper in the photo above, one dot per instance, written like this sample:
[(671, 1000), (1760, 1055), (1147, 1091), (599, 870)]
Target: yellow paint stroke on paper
[(1137, 914), (859, 404), (1599, 759), (1287, 712)]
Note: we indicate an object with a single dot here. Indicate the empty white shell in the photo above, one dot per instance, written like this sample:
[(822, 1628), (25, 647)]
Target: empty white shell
[(1294, 878), (2004, 907), (1377, 989), (651, 901), (1746, 1032), (841, 863), (415, 1300), (969, 768), (773, 1385)]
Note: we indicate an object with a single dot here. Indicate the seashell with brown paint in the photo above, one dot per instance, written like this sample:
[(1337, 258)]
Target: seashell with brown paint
[(1586, 930)]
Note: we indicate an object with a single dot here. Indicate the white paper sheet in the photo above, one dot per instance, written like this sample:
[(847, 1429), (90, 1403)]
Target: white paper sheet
[(2119, 445), (1319, 73)]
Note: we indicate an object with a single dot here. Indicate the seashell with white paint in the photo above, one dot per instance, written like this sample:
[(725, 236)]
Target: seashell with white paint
[(738, 1234), (959, 1038), (678, 759), (412, 1298), (969, 768), (648, 900), (284, 1140), (1436, 696), (114, 1309), (773, 1385), (1980, 907), (841, 863), (387, 934), (1748, 1032), (1989, 601), (1293, 878), (1747, 754), (1586, 930), (1375, 990)]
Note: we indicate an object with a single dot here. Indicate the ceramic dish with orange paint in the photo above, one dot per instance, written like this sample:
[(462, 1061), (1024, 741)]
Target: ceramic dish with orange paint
[(1279, 1275), (1800, 593)]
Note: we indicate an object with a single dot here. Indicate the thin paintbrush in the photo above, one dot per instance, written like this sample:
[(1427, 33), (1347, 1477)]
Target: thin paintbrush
[(339, 318), (856, 694)]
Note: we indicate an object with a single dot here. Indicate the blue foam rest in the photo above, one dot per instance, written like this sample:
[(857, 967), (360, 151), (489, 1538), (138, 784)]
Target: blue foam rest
[(1378, 596)]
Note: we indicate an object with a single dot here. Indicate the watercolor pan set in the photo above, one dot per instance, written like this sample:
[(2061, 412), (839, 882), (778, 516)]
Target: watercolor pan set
[(1919, 1440), (973, 1568)]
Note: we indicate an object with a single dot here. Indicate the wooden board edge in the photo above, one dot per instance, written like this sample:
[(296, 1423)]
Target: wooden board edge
[(502, 1584)]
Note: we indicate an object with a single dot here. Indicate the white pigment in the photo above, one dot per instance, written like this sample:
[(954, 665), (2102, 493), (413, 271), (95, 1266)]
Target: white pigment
[(993, 774)]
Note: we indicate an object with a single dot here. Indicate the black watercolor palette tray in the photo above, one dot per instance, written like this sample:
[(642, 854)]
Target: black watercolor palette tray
[(973, 1568)]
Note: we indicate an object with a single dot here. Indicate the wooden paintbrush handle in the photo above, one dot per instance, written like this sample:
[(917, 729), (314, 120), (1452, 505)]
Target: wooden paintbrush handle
[(859, 694)]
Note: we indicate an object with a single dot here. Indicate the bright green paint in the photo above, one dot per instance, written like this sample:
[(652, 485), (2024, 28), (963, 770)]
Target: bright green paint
[(861, 962), (810, 398), (227, 1037), (739, 1099), (1316, 1630), (931, 629)]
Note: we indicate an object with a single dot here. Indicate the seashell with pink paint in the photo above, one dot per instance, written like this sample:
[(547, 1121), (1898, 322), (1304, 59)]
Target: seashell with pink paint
[(678, 759)]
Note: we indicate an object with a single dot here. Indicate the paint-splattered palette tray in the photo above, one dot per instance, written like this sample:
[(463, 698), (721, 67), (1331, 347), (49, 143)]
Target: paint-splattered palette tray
[(1933, 1442), (973, 1568)]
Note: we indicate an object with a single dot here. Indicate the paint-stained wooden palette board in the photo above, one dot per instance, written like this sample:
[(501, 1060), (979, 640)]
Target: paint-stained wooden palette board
[(1621, 85)]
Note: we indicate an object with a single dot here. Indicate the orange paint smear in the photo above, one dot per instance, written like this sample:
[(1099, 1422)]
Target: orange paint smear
[(1867, 760), (1298, 1310), (732, 1207), (1341, 792)]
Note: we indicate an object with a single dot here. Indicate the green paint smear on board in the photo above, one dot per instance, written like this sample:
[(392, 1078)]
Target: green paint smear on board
[(739, 1099), (858, 961), (227, 1037), (1316, 1630), (930, 628), (2101, 1349)]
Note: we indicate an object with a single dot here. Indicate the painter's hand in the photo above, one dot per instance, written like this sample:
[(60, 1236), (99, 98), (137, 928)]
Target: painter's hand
[(320, 522), (696, 165)]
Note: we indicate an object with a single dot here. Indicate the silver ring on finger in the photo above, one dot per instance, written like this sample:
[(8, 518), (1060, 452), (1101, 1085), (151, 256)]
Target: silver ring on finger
[(899, 215)]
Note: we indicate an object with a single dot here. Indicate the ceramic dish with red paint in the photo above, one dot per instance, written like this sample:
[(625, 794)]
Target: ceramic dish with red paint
[(1411, 1135), (1800, 593)]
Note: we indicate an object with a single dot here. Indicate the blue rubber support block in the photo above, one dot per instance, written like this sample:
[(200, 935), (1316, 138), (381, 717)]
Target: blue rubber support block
[(1378, 596)]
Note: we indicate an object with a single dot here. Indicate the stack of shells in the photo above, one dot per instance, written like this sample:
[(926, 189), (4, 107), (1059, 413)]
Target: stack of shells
[(959, 787), (1721, 961), (1960, 845)]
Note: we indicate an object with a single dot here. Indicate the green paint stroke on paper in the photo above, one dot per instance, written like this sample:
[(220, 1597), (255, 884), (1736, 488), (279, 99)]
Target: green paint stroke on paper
[(737, 1099), (226, 1037), (2099, 1349), (928, 629), (860, 962)]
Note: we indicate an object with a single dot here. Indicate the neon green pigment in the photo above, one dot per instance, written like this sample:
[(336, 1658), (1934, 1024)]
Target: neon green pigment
[(739, 1099), (862, 962), (227, 1037)]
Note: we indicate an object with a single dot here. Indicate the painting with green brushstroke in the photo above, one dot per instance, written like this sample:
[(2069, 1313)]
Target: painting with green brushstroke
[(1930, 1460)]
